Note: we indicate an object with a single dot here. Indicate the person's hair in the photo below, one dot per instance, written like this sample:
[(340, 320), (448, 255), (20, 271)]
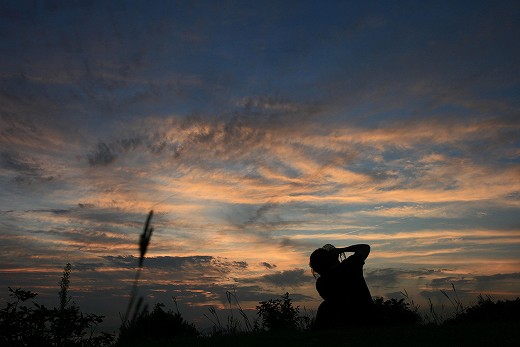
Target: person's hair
[(322, 260)]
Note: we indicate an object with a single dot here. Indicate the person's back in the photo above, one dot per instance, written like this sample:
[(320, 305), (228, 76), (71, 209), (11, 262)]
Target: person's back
[(345, 283), (347, 299)]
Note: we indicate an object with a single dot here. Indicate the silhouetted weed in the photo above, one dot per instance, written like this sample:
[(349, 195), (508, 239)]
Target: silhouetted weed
[(395, 312), (144, 241), (280, 314), (156, 325), (233, 324), (487, 310), (36, 325)]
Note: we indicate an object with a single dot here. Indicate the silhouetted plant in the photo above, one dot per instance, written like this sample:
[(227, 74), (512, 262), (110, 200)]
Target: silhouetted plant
[(215, 320), (487, 310), (62, 324), (64, 287), (144, 241), (279, 314), (36, 325), (395, 312), (433, 317), (455, 302), (21, 324), (156, 325), (233, 324), (232, 296)]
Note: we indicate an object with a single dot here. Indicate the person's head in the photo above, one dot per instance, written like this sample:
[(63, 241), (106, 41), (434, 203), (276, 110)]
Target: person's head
[(322, 260)]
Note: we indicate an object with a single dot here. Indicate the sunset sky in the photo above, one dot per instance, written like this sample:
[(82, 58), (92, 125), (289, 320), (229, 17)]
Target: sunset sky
[(258, 131)]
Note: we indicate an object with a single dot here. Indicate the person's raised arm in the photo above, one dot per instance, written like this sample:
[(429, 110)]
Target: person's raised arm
[(362, 249)]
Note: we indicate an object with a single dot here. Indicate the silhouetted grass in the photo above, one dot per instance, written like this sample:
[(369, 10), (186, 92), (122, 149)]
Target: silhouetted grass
[(144, 241), (158, 325)]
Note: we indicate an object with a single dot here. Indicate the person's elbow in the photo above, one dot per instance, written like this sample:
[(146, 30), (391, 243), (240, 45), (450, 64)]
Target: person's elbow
[(364, 250)]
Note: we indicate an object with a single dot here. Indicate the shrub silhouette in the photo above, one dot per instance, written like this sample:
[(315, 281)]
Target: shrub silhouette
[(279, 314), (395, 312), (23, 324), (156, 325), (487, 310)]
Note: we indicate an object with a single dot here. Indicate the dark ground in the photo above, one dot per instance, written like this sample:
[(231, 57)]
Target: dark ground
[(471, 334)]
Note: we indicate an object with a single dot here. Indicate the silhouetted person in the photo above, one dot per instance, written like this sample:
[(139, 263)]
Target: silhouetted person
[(347, 300)]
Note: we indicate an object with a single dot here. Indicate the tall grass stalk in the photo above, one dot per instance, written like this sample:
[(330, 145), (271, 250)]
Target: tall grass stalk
[(433, 317), (144, 241), (413, 305), (233, 296), (233, 324), (456, 303), (217, 326)]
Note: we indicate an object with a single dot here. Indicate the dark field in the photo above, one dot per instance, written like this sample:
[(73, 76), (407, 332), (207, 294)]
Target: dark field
[(474, 334)]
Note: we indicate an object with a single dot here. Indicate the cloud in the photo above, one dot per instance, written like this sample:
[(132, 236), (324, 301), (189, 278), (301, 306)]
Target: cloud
[(286, 278), (298, 163), (14, 162), (467, 287), (103, 155), (172, 263), (267, 265), (270, 104), (498, 277), (205, 266), (479, 283), (27, 170), (391, 277), (106, 154)]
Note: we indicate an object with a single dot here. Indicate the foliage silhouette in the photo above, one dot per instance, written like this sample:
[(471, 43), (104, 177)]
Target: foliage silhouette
[(22, 324), (156, 325), (395, 312), (279, 314), (487, 310)]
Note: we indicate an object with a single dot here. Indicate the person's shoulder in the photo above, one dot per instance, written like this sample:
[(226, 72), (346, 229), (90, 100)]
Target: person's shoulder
[(354, 259)]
